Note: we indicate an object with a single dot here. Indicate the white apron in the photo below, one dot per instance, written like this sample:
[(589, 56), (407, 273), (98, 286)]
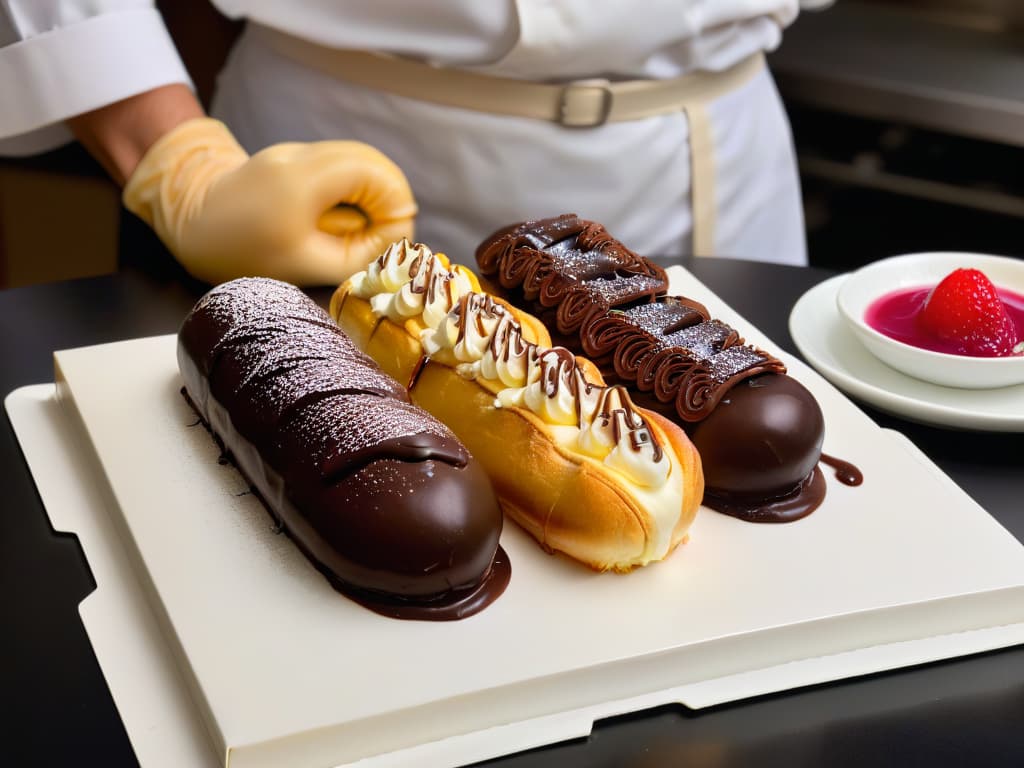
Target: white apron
[(473, 172)]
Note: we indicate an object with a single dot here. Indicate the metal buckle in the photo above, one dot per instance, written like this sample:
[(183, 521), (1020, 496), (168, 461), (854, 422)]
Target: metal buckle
[(585, 104)]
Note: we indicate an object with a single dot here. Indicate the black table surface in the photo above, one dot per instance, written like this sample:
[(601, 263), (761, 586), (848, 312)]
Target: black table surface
[(57, 709)]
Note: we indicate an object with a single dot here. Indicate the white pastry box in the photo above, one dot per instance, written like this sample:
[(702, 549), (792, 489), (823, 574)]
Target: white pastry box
[(221, 643)]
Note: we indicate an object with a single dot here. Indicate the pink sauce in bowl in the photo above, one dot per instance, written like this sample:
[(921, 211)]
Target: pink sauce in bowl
[(894, 335), (896, 314)]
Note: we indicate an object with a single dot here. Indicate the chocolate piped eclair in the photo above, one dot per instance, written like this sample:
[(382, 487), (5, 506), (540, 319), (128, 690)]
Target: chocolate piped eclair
[(380, 496), (759, 431)]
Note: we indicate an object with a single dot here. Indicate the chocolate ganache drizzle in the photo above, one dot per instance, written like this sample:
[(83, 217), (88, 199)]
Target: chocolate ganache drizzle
[(379, 495), (759, 432), (550, 377)]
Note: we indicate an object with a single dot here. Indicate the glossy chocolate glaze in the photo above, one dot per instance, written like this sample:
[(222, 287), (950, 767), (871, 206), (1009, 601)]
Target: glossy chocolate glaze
[(798, 503), (381, 496), (759, 432), (760, 445), (846, 473)]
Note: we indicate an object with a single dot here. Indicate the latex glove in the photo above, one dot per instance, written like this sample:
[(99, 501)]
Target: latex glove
[(310, 214)]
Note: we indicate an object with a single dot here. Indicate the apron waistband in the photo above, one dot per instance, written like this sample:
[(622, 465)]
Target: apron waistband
[(581, 103), (577, 104)]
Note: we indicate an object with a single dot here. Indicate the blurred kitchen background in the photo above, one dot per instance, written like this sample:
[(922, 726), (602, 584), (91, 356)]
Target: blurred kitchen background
[(908, 117)]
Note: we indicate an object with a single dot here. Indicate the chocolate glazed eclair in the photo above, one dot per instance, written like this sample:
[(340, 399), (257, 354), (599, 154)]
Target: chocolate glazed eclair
[(380, 496), (759, 431)]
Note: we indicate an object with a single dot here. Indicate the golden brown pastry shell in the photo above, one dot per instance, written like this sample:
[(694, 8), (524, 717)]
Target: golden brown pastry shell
[(568, 502)]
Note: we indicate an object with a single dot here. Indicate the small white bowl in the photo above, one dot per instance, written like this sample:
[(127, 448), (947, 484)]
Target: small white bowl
[(915, 270)]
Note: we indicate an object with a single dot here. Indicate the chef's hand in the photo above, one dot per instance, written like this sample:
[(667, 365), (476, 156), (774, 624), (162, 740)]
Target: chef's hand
[(311, 214), (307, 213)]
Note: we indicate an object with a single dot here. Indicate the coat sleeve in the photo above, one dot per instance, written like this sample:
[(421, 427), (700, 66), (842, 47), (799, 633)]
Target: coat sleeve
[(60, 58)]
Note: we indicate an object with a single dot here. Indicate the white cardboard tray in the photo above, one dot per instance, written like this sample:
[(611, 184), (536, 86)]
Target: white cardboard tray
[(205, 620)]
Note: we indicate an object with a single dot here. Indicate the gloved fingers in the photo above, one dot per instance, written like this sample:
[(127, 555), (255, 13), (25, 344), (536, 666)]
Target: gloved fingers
[(341, 220), (354, 174), (329, 259), (308, 213), (318, 177)]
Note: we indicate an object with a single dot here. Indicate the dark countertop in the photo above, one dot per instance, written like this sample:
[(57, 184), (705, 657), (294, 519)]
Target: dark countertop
[(58, 709)]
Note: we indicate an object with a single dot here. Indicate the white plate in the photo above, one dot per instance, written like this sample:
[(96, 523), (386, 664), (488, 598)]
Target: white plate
[(828, 345)]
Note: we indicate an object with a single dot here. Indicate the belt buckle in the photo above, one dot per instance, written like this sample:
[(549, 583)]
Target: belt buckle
[(585, 104)]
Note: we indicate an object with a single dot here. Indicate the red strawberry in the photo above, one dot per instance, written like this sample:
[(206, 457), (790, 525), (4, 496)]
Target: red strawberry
[(965, 309)]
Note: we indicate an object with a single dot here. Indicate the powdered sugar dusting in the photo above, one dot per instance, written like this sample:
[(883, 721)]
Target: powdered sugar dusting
[(732, 361), (342, 426), (657, 317), (287, 365), (623, 289)]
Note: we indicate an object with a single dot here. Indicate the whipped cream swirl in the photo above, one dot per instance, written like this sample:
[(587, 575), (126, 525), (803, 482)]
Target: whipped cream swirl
[(409, 280)]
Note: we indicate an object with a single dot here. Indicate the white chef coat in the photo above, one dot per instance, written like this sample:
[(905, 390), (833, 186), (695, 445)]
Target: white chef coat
[(471, 172)]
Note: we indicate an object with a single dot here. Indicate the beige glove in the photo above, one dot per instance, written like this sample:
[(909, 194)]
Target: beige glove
[(311, 214)]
